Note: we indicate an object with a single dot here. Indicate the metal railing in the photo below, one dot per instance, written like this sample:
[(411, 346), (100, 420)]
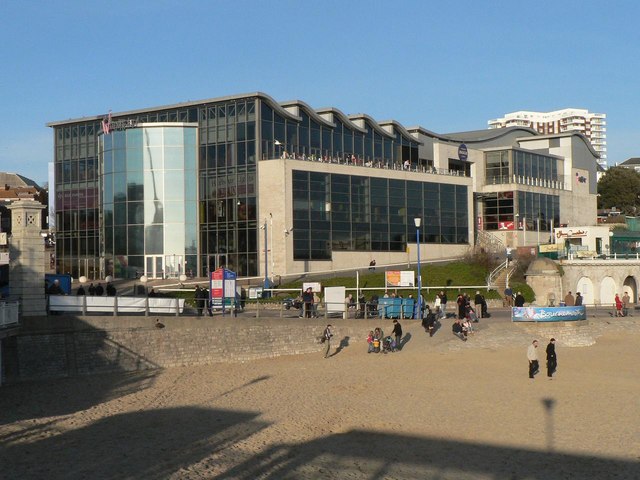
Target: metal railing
[(86, 304)]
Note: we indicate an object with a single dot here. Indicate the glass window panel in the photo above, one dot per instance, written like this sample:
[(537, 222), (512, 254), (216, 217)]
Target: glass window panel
[(173, 212), (153, 158), (120, 213), (120, 240), (120, 187), (135, 213), (153, 240), (173, 137), (174, 158), (135, 235)]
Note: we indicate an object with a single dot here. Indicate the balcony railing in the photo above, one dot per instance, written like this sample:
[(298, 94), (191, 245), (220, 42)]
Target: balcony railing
[(557, 184), (370, 162)]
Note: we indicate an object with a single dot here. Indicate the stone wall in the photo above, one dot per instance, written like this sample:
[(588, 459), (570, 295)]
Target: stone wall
[(50, 347)]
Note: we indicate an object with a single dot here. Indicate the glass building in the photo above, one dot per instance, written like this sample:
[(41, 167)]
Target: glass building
[(174, 190), (148, 201)]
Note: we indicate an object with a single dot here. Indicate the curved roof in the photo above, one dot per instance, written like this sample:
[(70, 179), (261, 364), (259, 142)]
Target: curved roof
[(372, 123), (398, 127), (190, 103), (479, 136), (312, 113), (343, 117), (568, 134)]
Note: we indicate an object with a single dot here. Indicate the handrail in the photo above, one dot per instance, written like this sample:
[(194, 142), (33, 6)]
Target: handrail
[(495, 272)]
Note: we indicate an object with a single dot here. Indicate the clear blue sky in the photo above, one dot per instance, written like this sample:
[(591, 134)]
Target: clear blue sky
[(447, 66)]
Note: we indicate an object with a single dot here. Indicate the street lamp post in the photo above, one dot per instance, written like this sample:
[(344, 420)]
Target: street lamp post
[(417, 221), (267, 284)]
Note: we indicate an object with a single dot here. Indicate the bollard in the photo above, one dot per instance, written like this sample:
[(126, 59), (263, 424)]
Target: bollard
[(177, 306), (115, 306), (257, 308), (84, 304), (146, 306)]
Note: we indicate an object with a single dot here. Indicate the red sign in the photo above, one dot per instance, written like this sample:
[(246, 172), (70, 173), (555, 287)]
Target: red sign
[(505, 226), (217, 284)]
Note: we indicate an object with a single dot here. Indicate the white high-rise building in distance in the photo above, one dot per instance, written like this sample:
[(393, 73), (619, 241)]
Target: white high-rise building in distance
[(592, 125)]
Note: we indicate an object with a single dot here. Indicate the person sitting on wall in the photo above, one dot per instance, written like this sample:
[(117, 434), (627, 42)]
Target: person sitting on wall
[(519, 301)]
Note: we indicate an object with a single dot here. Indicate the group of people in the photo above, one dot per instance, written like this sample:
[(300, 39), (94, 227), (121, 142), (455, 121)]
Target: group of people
[(552, 359), (309, 303), (462, 328), (622, 305), (570, 301), (511, 300), (97, 290), (377, 342)]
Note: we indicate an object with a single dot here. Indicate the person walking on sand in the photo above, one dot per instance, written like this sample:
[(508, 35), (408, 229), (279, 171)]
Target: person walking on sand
[(397, 332), (532, 356), (618, 303), (552, 361), (326, 339)]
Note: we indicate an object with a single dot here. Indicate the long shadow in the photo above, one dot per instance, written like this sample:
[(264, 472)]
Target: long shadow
[(154, 444), (48, 351), (344, 343), (375, 456), (404, 340)]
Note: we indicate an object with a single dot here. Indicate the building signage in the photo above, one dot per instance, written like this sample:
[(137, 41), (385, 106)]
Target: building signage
[(571, 233), (506, 226), (548, 314), (463, 153), (397, 278), (109, 125)]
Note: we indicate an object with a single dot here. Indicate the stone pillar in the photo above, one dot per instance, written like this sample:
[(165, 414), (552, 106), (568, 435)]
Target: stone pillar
[(26, 257)]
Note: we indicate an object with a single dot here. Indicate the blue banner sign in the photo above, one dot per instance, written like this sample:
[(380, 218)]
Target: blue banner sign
[(548, 314)]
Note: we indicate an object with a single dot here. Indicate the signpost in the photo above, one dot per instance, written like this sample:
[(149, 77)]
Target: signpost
[(222, 289)]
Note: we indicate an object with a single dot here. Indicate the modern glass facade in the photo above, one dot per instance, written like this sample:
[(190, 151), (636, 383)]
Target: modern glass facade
[(506, 210), (518, 166), (114, 210), (77, 189), (149, 183), (333, 212)]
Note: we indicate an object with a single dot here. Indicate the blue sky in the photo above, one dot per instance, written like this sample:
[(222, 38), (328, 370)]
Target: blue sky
[(447, 66)]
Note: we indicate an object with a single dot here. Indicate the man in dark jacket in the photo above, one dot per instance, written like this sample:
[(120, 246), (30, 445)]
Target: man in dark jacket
[(519, 300), (552, 361), (397, 332), (307, 299)]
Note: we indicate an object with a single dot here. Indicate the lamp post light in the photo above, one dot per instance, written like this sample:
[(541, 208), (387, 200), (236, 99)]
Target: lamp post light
[(417, 221), (267, 284)]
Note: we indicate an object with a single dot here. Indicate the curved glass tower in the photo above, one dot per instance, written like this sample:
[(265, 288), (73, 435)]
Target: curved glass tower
[(148, 195)]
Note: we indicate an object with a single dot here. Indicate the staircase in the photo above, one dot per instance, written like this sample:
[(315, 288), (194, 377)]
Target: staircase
[(489, 243), (500, 276)]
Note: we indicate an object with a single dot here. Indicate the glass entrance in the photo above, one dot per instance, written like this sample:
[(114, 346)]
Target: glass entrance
[(154, 266)]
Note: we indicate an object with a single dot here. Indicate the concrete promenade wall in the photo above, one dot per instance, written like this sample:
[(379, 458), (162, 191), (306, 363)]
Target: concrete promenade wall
[(61, 346)]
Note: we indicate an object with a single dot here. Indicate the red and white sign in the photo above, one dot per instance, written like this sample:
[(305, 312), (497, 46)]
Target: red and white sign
[(506, 226)]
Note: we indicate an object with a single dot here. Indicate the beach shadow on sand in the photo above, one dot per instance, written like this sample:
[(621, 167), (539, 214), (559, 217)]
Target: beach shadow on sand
[(376, 456), (344, 343), (404, 340), (149, 444)]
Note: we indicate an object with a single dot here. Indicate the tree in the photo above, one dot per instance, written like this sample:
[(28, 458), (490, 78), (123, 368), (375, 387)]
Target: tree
[(620, 187)]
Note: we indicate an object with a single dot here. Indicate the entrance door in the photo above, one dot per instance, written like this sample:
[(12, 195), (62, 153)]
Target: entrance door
[(154, 266), (174, 266), (88, 268)]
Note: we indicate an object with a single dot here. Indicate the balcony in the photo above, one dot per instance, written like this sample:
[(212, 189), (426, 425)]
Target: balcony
[(353, 160)]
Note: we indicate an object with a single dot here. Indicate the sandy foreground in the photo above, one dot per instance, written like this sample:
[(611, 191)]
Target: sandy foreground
[(437, 410)]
